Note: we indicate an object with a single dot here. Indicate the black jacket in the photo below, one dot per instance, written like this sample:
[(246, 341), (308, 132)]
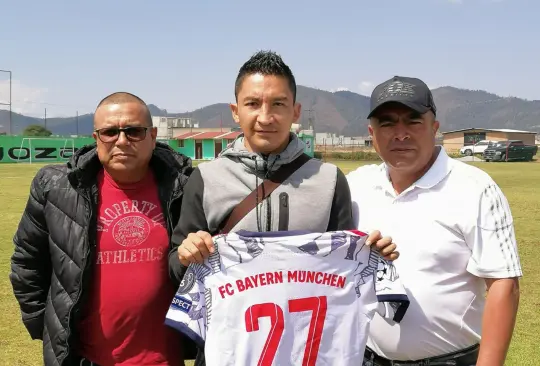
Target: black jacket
[(55, 241)]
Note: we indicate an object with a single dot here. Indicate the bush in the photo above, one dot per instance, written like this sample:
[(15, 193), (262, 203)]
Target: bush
[(360, 155)]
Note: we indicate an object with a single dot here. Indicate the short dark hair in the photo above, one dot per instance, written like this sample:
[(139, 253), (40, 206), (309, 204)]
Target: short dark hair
[(265, 63), (125, 97)]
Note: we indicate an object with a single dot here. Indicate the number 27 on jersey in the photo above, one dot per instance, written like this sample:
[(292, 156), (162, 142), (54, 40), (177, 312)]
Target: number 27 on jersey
[(316, 305)]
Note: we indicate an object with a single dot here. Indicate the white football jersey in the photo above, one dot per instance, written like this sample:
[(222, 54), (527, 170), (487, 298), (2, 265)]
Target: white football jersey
[(286, 298)]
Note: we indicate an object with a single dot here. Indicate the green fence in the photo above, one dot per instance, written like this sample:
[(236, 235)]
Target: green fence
[(20, 149)]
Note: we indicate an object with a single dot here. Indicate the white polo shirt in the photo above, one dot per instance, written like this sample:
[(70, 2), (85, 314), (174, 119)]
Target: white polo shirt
[(452, 227)]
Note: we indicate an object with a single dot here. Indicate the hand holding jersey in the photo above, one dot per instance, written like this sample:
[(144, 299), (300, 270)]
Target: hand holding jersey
[(198, 246), (286, 297), (195, 248)]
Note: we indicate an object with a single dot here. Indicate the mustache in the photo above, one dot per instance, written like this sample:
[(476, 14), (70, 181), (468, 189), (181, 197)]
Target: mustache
[(402, 147)]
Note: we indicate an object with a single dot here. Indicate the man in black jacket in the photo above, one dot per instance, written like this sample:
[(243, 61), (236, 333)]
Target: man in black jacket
[(90, 267)]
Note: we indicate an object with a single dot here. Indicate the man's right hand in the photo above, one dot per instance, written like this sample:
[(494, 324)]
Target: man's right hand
[(195, 248)]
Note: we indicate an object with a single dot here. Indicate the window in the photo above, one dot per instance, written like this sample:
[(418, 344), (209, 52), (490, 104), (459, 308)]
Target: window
[(472, 138), (180, 143)]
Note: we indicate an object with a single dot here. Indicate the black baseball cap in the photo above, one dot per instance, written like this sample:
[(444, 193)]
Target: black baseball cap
[(411, 92)]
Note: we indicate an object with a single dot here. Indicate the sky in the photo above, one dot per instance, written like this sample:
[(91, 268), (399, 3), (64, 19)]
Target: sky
[(182, 55)]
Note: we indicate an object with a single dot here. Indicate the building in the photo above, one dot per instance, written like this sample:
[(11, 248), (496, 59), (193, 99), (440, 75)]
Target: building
[(455, 140), (201, 145), (307, 136), (331, 139), (177, 131), (166, 126), (206, 143)]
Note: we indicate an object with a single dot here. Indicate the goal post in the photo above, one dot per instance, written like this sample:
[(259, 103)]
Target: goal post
[(60, 146)]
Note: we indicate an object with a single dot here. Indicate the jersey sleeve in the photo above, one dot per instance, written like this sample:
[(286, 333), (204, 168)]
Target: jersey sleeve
[(492, 239), (188, 310), (392, 298)]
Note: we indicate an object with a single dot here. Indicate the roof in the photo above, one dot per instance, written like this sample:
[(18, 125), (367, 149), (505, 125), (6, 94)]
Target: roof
[(209, 135), (187, 135), (491, 130), (231, 135)]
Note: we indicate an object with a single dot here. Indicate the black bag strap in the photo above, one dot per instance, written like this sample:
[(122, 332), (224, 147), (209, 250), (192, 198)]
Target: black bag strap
[(267, 187)]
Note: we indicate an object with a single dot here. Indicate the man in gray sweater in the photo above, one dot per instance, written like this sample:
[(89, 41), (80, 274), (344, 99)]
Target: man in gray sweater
[(316, 197)]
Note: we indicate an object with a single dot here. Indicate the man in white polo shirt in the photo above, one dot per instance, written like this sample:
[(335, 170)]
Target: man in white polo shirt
[(467, 243)]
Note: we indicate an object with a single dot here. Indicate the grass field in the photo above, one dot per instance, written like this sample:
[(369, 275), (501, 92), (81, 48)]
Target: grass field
[(519, 181)]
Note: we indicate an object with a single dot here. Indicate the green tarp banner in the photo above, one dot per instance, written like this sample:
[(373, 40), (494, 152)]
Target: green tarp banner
[(20, 149)]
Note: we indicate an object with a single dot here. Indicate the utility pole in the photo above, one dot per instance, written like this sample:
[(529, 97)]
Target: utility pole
[(77, 123), (45, 118), (10, 126), (311, 119)]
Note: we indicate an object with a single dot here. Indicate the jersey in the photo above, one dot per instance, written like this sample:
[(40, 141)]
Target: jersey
[(286, 298)]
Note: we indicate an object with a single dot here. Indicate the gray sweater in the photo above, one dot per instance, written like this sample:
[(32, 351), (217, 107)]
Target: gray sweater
[(316, 197)]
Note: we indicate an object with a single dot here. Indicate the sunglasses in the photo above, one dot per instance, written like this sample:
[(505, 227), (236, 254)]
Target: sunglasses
[(111, 134)]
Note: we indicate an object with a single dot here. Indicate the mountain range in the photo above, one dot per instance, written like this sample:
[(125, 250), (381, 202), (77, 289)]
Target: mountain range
[(340, 112)]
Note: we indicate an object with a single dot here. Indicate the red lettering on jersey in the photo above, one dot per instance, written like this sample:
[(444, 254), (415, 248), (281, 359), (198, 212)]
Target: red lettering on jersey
[(248, 283), (340, 282), (226, 289), (276, 277), (292, 276), (320, 278), (261, 278), (240, 285), (258, 280), (269, 278), (327, 278)]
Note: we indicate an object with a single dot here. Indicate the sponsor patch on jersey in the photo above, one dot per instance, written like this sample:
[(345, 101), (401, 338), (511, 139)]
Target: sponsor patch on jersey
[(188, 281), (181, 303)]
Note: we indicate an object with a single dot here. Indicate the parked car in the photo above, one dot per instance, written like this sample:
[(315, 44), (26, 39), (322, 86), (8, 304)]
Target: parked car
[(477, 148), (510, 150)]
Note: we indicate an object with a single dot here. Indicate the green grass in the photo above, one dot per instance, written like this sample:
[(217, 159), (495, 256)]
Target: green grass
[(519, 181)]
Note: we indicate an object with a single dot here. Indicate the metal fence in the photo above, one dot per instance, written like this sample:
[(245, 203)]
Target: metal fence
[(326, 148)]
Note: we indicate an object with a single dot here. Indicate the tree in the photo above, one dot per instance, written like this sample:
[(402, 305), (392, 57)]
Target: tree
[(36, 130)]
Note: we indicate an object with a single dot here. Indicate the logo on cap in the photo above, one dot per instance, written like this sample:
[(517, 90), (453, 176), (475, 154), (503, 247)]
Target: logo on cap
[(396, 88)]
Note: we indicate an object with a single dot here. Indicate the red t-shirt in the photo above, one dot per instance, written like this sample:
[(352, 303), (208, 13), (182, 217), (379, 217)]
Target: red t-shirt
[(123, 321)]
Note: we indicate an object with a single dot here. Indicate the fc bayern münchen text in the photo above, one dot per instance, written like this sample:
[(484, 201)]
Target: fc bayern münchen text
[(270, 278)]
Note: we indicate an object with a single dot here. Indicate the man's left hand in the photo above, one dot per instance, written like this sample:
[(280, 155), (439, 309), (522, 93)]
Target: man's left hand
[(383, 245)]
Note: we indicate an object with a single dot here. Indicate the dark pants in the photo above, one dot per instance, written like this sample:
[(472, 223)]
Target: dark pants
[(81, 361), (465, 357)]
